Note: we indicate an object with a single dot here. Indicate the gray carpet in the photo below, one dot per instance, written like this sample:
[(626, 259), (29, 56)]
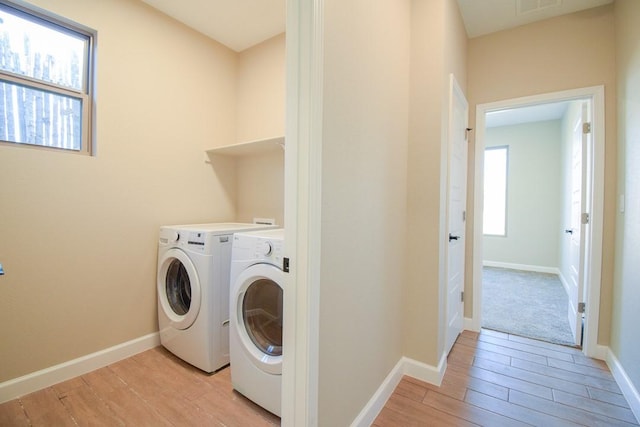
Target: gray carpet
[(525, 303)]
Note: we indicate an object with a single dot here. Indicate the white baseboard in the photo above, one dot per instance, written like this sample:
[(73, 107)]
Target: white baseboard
[(625, 384), (427, 373), (471, 324), (523, 267), (601, 352), (371, 410), (405, 366), (64, 371), (564, 282)]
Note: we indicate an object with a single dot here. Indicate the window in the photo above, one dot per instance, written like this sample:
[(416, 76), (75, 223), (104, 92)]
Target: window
[(495, 191), (46, 80)]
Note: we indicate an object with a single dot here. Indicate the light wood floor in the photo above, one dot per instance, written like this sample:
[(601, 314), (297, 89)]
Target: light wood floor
[(492, 379), (495, 379), (153, 388)]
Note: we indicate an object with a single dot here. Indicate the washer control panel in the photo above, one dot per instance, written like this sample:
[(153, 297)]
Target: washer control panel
[(198, 241)]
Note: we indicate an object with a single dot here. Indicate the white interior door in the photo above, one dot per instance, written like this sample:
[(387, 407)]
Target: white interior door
[(457, 196), (579, 225)]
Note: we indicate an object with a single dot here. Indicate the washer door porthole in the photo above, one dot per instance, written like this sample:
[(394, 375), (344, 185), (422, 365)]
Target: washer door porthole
[(178, 288)]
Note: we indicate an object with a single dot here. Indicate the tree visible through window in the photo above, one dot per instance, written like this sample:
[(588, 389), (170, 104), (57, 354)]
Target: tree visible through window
[(46, 76), (495, 191)]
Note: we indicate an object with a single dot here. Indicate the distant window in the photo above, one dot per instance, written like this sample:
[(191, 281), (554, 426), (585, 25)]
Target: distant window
[(46, 80), (495, 191)]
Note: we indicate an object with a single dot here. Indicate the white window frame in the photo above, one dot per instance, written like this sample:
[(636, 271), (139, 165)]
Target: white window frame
[(86, 94), (506, 190)]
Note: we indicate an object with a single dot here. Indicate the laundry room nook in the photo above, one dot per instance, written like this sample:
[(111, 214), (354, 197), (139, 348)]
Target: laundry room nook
[(187, 130)]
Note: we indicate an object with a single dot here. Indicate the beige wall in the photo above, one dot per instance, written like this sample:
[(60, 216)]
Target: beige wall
[(261, 115), (260, 187), (261, 90), (364, 152), (567, 52), (626, 292), (79, 233), (438, 48)]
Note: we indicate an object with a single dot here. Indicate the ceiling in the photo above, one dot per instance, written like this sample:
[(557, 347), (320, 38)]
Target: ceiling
[(240, 24), (488, 16), (237, 24), (533, 113)]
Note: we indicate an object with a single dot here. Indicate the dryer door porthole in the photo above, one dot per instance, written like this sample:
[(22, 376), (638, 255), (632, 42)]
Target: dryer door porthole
[(259, 307), (179, 288), (262, 315)]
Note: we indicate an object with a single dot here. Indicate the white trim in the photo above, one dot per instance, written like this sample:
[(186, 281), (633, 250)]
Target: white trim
[(303, 173), (594, 274), (367, 416), (564, 282), (470, 325), (405, 366), (478, 209), (522, 267), (73, 368), (427, 373), (624, 382), (601, 352)]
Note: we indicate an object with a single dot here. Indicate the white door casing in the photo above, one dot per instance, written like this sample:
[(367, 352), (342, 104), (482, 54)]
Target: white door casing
[(594, 188), (302, 212), (457, 197)]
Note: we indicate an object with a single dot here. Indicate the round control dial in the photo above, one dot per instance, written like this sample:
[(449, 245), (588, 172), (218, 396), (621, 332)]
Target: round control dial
[(265, 248), (174, 236)]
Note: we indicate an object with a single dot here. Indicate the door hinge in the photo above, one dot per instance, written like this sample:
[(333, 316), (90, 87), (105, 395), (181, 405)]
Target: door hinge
[(466, 133), (581, 307), (461, 296), (464, 216), (585, 218), (586, 127), (285, 264)]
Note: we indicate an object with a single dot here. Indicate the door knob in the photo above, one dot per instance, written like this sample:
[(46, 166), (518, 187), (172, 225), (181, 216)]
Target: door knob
[(568, 231), (452, 237)]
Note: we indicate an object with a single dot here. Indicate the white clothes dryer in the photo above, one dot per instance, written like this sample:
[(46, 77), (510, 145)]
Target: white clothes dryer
[(193, 291), (256, 305)]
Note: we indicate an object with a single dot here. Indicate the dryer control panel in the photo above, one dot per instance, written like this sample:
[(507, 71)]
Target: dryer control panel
[(267, 246), (268, 249)]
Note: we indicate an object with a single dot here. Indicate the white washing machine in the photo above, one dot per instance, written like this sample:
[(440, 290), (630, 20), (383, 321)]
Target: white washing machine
[(256, 303), (193, 291)]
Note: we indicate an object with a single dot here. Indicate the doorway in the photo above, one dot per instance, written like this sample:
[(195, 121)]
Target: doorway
[(588, 278), (527, 193)]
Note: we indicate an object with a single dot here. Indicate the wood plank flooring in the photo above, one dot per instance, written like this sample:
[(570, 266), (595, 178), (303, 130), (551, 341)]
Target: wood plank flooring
[(153, 388), (496, 379), (492, 379)]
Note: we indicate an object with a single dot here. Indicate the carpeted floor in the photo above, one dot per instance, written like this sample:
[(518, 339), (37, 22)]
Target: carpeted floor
[(525, 303)]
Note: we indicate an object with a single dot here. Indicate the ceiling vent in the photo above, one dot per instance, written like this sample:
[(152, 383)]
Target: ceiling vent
[(529, 6)]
